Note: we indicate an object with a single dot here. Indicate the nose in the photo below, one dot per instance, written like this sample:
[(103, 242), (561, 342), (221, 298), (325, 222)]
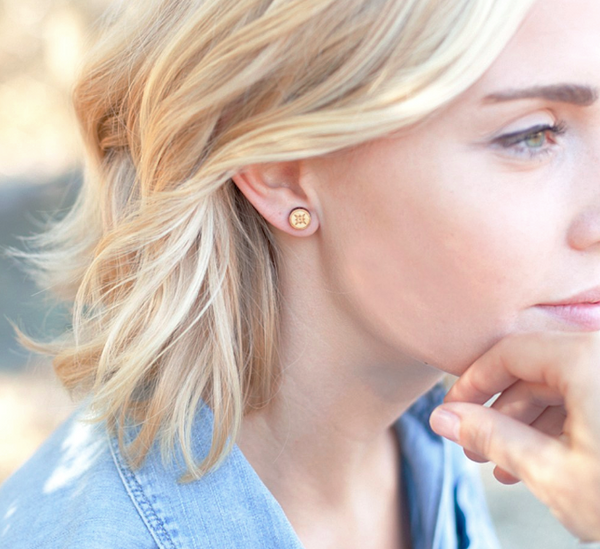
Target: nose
[(584, 232)]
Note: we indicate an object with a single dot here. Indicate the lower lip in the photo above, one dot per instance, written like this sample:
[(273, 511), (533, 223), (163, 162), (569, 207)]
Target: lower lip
[(583, 315)]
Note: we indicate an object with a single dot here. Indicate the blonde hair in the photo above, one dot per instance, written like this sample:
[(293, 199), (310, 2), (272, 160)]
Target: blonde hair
[(172, 273)]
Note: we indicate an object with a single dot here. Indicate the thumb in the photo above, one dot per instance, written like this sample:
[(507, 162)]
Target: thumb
[(519, 449)]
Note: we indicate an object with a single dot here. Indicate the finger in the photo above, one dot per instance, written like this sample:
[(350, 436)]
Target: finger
[(526, 401), (510, 359), (505, 477), (519, 449), (475, 457), (551, 421), (561, 360), (482, 380)]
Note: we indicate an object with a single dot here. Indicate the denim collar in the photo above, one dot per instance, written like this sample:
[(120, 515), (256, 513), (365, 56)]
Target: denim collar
[(231, 507), (426, 471)]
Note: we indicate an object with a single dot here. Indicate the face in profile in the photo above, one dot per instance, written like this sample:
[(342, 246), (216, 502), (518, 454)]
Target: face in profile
[(443, 239)]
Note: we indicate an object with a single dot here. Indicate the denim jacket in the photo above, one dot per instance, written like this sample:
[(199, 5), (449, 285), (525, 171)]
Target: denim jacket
[(77, 492)]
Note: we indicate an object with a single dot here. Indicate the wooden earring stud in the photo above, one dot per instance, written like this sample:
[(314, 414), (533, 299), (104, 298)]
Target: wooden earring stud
[(299, 218)]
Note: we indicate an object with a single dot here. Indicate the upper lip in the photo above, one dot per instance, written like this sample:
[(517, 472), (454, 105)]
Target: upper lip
[(589, 296)]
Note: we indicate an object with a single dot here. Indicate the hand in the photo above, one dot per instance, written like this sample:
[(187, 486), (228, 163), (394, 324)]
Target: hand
[(544, 428)]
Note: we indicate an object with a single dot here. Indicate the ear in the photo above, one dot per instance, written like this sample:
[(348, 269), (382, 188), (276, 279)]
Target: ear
[(276, 189)]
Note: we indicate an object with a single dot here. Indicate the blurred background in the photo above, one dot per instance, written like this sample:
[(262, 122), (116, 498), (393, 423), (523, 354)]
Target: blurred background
[(41, 45)]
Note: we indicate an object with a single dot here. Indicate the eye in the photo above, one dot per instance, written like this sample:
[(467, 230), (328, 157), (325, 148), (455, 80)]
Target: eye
[(536, 140), (532, 142)]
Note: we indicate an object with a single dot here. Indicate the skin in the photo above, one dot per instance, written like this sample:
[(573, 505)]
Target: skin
[(425, 249), (544, 427)]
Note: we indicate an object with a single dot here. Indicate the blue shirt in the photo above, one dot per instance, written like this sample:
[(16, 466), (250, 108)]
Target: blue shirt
[(77, 492)]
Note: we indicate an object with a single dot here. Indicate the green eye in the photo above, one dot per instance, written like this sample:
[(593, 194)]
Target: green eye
[(533, 142), (536, 140)]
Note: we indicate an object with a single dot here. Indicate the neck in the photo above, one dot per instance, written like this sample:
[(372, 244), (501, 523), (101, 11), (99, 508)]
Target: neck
[(331, 419)]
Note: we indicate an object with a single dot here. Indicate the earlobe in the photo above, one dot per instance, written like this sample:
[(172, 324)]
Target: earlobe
[(276, 192)]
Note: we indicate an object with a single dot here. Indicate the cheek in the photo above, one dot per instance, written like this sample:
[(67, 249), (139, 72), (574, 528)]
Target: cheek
[(437, 278)]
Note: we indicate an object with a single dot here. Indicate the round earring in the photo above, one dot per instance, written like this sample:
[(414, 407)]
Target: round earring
[(299, 218)]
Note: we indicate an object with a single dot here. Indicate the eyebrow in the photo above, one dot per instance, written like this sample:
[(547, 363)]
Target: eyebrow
[(575, 94)]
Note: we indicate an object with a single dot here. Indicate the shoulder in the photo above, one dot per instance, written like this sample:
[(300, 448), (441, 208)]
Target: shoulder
[(78, 491), (70, 495), (227, 507)]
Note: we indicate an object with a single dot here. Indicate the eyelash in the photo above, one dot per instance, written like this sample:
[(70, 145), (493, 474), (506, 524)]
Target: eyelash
[(511, 141)]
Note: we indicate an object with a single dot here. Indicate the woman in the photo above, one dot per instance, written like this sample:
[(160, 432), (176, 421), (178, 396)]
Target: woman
[(297, 216)]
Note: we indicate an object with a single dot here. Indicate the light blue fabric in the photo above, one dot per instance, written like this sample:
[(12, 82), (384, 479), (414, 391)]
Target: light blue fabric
[(76, 492)]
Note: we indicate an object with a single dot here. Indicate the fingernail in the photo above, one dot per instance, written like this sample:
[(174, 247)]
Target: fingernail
[(445, 423)]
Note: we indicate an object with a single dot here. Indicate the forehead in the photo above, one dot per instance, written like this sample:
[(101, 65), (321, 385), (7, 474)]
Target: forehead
[(558, 42)]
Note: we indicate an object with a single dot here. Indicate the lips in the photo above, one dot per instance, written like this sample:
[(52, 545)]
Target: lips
[(581, 310), (590, 297)]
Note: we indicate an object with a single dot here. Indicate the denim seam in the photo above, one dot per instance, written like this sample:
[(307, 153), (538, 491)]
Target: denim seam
[(153, 522)]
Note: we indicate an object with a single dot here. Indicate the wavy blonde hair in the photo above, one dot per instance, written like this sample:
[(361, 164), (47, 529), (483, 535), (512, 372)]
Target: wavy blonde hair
[(171, 272)]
